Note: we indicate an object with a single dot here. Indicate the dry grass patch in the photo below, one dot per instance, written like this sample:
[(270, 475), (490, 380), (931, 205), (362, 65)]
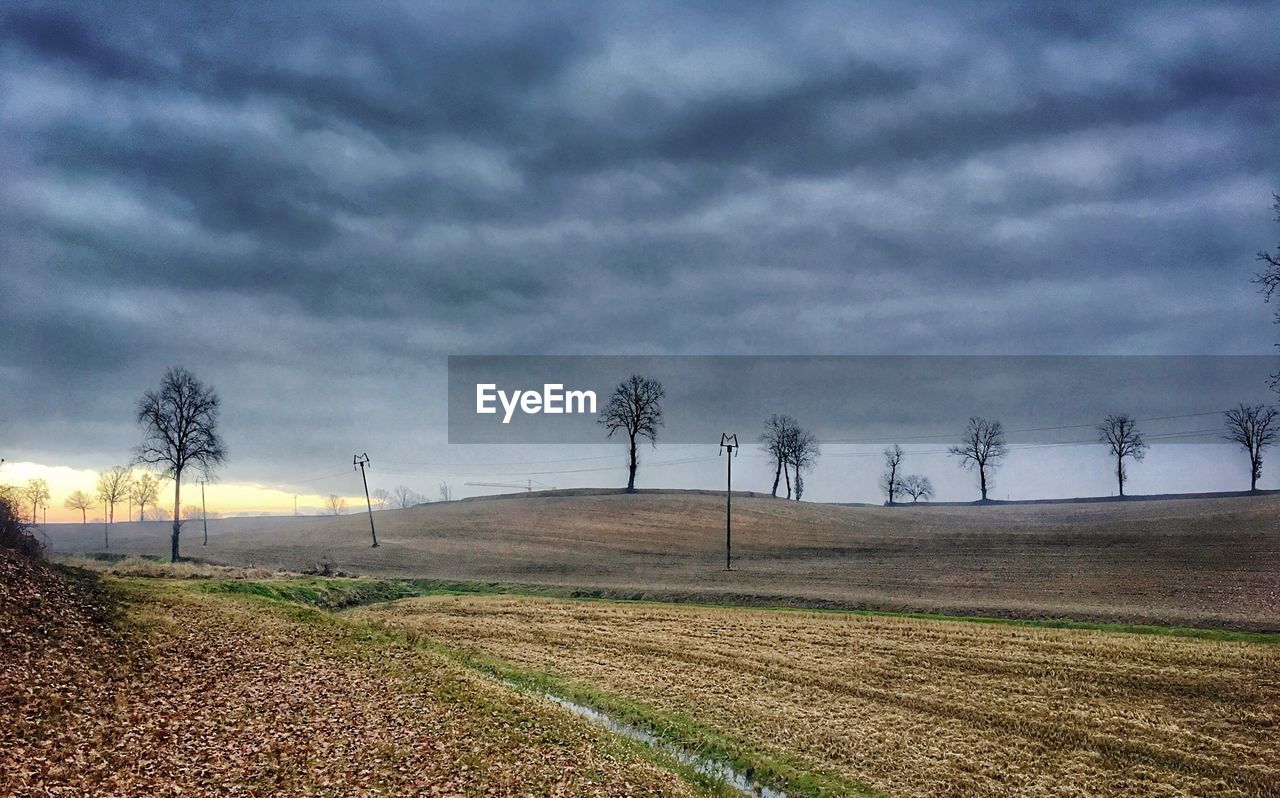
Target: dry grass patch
[(911, 706), (135, 566)]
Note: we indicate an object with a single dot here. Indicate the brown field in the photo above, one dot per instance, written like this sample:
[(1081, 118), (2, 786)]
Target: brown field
[(909, 706), (1203, 561), (179, 692)]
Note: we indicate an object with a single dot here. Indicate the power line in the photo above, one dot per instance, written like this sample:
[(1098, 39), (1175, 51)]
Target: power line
[(665, 448), (900, 439)]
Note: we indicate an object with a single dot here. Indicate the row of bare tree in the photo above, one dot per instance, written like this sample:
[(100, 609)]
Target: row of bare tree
[(401, 497), (635, 409), (982, 449)]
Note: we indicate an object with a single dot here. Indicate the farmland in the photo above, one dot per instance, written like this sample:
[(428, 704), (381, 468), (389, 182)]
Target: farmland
[(1199, 562), (839, 703), (141, 687)]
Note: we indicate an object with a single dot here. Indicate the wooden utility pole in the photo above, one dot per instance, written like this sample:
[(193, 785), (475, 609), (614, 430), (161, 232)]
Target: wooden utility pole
[(204, 513), (362, 460), (728, 444)]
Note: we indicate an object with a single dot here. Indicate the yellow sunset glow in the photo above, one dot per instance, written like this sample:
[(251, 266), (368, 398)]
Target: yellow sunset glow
[(225, 498)]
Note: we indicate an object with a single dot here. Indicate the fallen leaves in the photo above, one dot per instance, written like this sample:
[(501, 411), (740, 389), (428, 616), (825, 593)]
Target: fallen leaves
[(198, 694)]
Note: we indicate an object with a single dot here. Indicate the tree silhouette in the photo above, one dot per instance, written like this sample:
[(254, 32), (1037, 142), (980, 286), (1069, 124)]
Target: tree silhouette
[(890, 482), (1121, 435), (983, 448), (802, 453), (81, 501), (917, 487), (145, 490), (1254, 427), (635, 408), (180, 433), (778, 431), (37, 495)]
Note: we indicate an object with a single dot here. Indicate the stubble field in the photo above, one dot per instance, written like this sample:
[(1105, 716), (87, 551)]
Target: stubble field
[(842, 702)]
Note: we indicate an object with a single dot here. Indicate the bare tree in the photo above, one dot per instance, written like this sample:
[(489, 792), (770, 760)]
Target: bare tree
[(1268, 281), (335, 504), (37, 495), (803, 453), (191, 512), (635, 408), (144, 490), (917, 487), (983, 448), (113, 486), (180, 432), (404, 498), (890, 482), (778, 431), (1254, 427), (446, 492), (381, 498), (158, 514), (1120, 434), (81, 501)]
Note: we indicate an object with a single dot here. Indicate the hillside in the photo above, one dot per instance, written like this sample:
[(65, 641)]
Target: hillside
[(1202, 561)]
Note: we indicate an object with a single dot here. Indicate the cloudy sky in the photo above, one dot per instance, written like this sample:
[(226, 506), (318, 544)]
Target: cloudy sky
[(312, 205)]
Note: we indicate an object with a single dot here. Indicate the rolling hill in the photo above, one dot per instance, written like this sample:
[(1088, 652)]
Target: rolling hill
[(1195, 561)]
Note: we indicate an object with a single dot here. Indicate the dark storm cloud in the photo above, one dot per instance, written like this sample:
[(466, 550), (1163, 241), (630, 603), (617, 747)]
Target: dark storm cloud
[(319, 196)]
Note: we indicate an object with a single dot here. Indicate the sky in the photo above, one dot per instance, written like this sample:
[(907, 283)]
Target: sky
[(311, 206)]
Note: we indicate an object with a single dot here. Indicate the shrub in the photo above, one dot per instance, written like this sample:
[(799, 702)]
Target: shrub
[(13, 531)]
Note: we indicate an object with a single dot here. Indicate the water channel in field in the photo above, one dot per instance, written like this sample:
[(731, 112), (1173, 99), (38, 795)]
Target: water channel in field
[(734, 778)]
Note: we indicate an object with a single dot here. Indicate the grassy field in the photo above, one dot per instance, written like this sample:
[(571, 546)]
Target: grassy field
[(1200, 562), (840, 703)]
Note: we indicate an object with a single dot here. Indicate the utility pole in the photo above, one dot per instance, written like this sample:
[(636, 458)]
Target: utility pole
[(362, 460), (729, 444), (204, 513)]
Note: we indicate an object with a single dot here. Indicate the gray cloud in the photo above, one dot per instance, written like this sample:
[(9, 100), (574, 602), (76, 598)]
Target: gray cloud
[(316, 200)]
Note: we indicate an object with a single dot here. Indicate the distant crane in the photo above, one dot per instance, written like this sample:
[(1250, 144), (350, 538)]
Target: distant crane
[(528, 485)]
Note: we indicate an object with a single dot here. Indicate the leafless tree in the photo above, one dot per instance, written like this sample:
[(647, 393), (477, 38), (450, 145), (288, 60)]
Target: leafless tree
[(1120, 434), (446, 492), (335, 504), (180, 432), (191, 512), (890, 482), (1268, 281), (635, 408), (79, 500), (380, 498), (778, 432), (1254, 427), (158, 514), (802, 453), (144, 490), (917, 487), (404, 498), (983, 448), (113, 485), (37, 495)]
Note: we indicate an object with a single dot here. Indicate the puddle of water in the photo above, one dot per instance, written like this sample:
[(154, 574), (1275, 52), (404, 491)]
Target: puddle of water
[(708, 767)]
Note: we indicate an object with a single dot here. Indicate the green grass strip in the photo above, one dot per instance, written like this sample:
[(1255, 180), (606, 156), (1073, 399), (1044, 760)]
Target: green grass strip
[(333, 594)]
